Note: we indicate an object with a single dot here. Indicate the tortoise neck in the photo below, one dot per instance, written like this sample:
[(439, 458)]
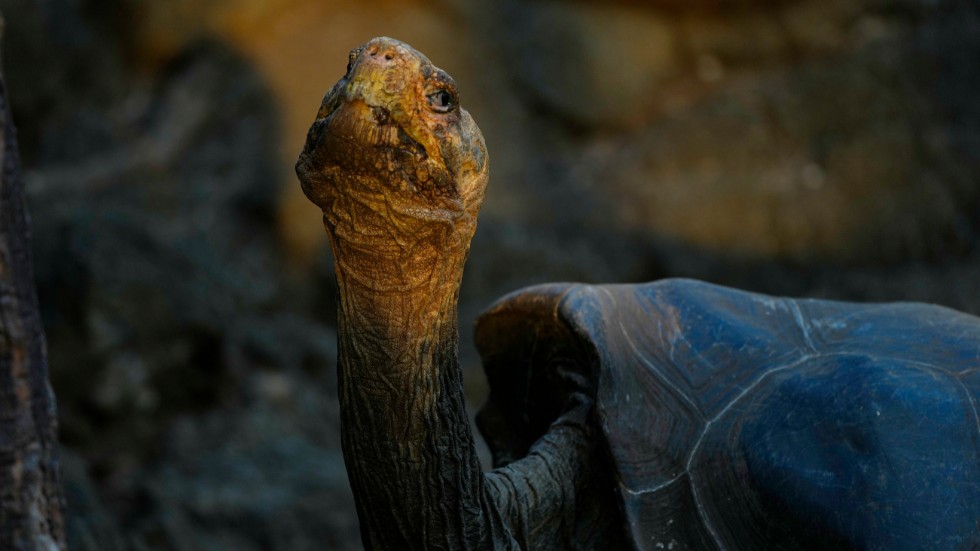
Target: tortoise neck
[(409, 450)]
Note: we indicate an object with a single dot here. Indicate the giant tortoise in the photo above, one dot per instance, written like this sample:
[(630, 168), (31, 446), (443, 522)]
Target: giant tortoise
[(674, 415)]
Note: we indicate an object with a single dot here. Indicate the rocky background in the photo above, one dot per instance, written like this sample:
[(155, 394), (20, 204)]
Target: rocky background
[(824, 148)]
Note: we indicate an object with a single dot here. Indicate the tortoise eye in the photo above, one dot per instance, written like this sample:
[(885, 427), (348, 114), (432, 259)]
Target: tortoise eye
[(442, 101)]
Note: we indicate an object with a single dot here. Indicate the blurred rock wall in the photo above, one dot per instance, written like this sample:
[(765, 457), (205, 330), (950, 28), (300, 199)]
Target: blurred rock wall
[(819, 148)]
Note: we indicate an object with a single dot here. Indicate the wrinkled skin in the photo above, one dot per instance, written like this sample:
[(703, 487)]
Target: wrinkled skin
[(399, 170)]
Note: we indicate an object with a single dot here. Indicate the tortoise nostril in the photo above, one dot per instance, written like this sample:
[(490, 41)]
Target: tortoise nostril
[(389, 56), (373, 52)]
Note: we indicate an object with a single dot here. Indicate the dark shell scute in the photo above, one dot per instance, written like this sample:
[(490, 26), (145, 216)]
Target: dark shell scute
[(843, 446)]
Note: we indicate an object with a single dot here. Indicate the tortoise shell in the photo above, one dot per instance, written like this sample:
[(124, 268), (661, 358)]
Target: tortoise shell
[(735, 420)]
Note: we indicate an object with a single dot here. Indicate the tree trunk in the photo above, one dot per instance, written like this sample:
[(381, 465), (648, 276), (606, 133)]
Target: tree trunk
[(31, 500)]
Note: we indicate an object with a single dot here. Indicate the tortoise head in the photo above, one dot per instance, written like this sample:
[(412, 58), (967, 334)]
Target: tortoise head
[(391, 151)]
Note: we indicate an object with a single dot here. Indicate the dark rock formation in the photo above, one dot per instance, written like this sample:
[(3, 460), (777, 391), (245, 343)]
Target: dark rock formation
[(31, 499), (806, 131)]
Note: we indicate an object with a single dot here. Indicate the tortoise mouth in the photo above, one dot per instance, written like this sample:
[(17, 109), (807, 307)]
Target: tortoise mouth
[(346, 130), (403, 141)]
